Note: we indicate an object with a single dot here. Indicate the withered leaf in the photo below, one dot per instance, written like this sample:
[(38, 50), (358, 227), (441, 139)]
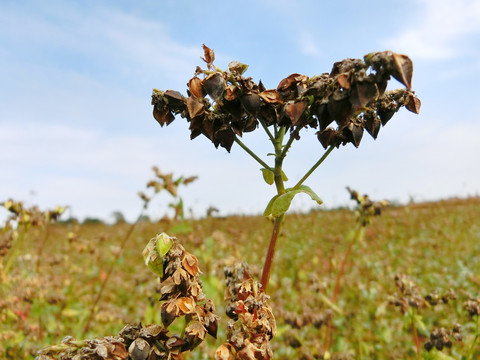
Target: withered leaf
[(195, 87), (270, 96), (225, 137), (223, 352), (231, 93), (195, 107), (174, 97), (214, 85), (190, 263), (174, 342), (290, 81), (340, 110), (363, 92), (355, 132), (403, 69), (163, 116), (186, 305), (120, 351), (372, 125), (328, 137), (413, 103), (344, 80), (209, 55), (295, 110)]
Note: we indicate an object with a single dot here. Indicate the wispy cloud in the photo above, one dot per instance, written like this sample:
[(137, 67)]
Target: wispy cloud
[(439, 30)]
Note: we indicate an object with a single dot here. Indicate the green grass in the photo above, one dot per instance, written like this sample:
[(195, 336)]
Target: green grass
[(437, 245)]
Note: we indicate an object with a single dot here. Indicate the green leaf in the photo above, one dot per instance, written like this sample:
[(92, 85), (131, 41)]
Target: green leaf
[(268, 209), (282, 203), (268, 176), (311, 193), (284, 177), (155, 250)]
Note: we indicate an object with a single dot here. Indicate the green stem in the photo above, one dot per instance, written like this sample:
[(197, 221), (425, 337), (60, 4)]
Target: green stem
[(252, 154), (314, 167), (269, 133)]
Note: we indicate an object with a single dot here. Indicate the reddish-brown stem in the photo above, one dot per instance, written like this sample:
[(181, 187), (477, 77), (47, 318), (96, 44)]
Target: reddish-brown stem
[(416, 338), (267, 266)]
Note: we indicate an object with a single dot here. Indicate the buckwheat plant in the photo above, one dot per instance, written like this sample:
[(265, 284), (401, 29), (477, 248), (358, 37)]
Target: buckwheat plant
[(340, 105)]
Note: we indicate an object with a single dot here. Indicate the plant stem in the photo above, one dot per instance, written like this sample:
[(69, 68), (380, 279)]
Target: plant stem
[(272, 139), (271, 252), (278, 178), (475, 339), (314, 167), (356, 238), (415, 335), (252, 154)]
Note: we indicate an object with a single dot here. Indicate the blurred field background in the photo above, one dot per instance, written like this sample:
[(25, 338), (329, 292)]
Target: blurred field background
[(54, 280)]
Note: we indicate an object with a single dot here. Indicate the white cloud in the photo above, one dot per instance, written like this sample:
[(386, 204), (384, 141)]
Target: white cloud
[(437, 29)]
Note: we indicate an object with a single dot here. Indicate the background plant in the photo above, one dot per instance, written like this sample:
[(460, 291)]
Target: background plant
[(352, 96)]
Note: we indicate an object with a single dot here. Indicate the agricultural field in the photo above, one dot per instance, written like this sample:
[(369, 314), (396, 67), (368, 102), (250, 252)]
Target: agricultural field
[(410, 285)]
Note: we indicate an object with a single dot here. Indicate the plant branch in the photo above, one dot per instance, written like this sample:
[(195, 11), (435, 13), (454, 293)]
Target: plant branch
[(271, 252), (269, 133), (314, 167), (252, 154)]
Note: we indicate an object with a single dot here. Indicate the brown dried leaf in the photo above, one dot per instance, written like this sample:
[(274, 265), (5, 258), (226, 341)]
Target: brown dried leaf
[(223, 352), (344, 80), (231, 93), (120, 351), (413, 103), (209, 55), (186, 305), (403, 69), (270, 96), (174, 342), (195, 107), (363, 93), (190, 263), (295, 110), (195, 87), (163, 116)]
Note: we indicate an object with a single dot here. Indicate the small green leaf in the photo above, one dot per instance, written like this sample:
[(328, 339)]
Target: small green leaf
[(268, 176), (282, 203), (284, 177), (154, 252), (311, 193), (268, 209)]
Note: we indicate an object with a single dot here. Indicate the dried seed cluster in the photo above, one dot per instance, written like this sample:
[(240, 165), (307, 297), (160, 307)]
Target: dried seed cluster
[(252, 323), (366, 208), (472, 306), (409, 296), (352, 95), (182, 296), (442, 338)]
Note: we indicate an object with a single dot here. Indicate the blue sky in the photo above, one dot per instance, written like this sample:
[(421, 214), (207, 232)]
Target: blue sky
[(76, 78)]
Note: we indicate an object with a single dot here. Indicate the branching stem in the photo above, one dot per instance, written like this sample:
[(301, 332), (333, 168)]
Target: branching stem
[(314, 167), (252, 154)]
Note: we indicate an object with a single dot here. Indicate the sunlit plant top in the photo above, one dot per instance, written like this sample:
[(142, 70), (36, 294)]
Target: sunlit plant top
[(352, 97)]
